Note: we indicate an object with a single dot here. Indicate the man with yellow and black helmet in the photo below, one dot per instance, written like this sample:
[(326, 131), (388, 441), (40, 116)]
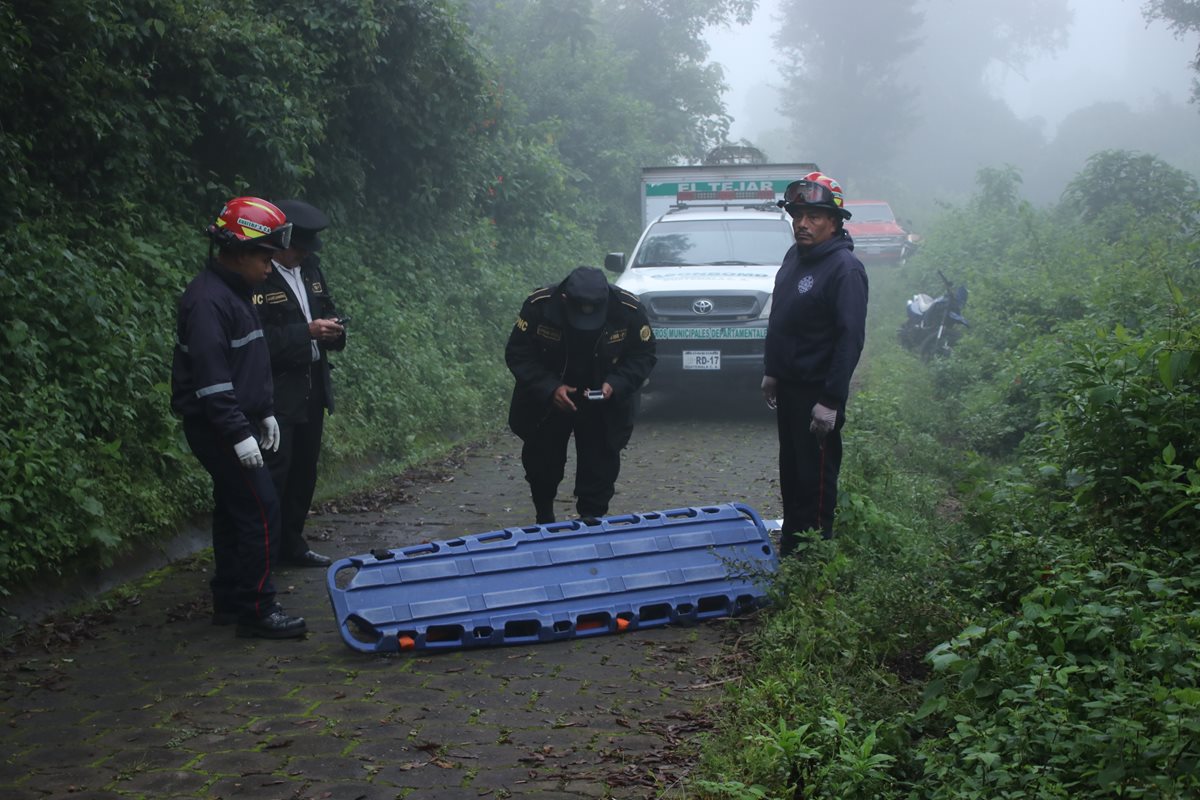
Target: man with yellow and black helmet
[(814, 339), (580, 351)]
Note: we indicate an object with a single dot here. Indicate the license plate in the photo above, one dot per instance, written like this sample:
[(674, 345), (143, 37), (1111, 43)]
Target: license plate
[(701, 359)]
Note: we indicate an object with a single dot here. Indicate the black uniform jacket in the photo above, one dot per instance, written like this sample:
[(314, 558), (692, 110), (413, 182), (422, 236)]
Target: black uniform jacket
[(221, 369), (818, 318), (536, 355), (290, 342)]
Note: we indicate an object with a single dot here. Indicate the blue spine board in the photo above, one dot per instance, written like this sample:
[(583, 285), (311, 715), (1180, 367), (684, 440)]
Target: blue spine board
[(555, 581)]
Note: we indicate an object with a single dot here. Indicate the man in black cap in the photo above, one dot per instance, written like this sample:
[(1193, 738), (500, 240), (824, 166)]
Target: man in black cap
[(580, 351), (301, 325)]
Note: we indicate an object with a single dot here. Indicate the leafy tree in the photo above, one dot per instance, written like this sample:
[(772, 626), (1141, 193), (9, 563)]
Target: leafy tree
[(667, 67), (610, 86), (999, 189), (1123, 190), (843, 94), (127, 122), (1183, 16)]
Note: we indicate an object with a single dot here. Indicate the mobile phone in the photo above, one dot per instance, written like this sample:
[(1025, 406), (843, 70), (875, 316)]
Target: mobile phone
[(341, 320), (594, 394)]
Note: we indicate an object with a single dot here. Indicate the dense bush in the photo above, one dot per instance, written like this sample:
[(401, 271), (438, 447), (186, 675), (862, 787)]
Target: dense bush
[(128, 124), (1064, 560)]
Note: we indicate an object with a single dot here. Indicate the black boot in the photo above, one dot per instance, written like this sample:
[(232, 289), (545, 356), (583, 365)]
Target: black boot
[(277, 624), (544, 510)]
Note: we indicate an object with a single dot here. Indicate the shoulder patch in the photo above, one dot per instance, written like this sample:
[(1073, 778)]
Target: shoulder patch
[(628, 298), (545, 293)]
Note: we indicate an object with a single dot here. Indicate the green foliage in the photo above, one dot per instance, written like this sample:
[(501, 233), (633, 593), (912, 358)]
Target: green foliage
[(1119, 190), (801, 759), (820, 710), (1124, 439), (89, 455), (1060, 575), (1088, 691), (605, 88), (127, 123)]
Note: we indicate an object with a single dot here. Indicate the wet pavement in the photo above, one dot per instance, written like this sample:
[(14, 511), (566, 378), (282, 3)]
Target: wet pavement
[(145, 698)]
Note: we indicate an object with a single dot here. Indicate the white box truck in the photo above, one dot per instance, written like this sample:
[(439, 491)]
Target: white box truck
[(704, 267)]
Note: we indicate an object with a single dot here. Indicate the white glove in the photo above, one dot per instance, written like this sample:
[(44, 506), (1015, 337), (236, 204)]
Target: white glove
[(823, 420), (270, 435), (248, 453), (769, 390)]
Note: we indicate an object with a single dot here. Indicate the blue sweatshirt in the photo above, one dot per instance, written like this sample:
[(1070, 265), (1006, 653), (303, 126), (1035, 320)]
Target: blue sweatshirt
[(222, 368), (818, 318)]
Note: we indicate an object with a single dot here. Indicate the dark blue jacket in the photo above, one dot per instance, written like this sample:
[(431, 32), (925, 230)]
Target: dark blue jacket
[(818, 318), (537, 355), (221, 369)]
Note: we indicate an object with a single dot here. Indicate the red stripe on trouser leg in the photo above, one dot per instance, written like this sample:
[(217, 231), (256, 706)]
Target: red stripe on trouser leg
[(820, 525), (266, 526)]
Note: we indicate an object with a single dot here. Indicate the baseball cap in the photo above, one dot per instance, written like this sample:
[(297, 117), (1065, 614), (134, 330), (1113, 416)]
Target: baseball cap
[(586, 291)]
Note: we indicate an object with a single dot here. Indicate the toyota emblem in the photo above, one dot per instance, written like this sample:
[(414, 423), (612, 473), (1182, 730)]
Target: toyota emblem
[(703, 306)]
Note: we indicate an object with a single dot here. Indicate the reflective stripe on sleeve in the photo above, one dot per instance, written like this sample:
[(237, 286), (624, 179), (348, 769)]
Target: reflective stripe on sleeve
[(216, 387), (247, 339)]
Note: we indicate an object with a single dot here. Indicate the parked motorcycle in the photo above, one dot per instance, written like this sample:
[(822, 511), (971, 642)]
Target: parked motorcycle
[(934, 325)]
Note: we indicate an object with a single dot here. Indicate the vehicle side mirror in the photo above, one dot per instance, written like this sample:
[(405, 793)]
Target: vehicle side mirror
[(614, 262)]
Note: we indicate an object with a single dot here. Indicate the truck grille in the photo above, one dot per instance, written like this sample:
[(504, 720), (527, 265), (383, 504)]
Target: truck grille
[(688, 307)]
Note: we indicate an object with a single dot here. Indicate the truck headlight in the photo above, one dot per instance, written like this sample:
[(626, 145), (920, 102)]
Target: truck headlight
[(766, 312)]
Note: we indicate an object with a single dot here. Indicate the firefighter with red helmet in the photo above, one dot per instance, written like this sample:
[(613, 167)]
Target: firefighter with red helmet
[(221, 387), (814, 338)]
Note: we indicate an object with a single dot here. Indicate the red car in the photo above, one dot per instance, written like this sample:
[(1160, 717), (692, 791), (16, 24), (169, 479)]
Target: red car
[(878, 238)]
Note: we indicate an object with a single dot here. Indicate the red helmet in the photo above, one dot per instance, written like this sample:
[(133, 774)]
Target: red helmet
[(251, 222), (814, 189)]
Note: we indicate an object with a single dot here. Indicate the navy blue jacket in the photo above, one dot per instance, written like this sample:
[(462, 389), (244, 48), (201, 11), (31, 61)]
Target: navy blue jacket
[(537, 354), (818, 318), (221, 369)]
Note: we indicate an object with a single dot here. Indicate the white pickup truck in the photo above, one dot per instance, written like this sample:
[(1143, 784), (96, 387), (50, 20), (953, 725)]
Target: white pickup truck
[(705, 267)]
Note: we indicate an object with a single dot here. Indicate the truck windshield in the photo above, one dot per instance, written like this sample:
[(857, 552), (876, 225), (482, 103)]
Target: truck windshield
[(697, 243), (870, 212)]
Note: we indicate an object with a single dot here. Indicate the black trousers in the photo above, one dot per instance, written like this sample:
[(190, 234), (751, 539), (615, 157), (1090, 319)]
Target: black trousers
[(544, 456), (808, 469), (294, 468), (245, 524)]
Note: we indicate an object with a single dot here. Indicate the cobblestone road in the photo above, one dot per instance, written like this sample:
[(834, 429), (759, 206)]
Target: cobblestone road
[(147, 699)]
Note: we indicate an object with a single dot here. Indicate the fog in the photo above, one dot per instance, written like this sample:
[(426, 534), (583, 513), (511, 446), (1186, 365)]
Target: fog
[(1115, 82)]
